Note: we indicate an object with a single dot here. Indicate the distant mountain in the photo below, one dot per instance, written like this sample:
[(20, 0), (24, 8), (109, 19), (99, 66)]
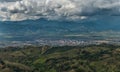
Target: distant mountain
[(42, 27)]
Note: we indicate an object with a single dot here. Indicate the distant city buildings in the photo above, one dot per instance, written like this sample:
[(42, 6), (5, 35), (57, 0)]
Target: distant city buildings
[(58, 42)]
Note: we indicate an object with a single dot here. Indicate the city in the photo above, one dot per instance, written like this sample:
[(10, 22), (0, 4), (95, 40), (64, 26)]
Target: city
[(59, 42)]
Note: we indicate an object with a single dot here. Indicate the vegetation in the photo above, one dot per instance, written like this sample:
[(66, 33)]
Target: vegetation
[(92, 58)]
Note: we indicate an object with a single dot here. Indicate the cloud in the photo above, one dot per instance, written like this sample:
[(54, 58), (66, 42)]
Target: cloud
[(17, 10)]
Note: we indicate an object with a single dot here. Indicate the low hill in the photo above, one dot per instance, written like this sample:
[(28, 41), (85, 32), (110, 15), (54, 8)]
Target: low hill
[(92, 58)]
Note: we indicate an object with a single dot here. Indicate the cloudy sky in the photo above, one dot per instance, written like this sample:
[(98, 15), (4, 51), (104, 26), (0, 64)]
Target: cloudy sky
[(17, 10), (54, 19)]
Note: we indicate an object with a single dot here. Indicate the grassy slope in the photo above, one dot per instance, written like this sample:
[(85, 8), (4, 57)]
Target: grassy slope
[(93, 58)]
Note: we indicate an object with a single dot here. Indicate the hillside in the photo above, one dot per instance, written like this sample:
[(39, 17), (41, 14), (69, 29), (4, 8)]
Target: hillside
[(92, 58)]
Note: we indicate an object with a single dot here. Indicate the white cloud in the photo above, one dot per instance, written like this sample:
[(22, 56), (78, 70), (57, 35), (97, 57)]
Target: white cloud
[(56, 9)]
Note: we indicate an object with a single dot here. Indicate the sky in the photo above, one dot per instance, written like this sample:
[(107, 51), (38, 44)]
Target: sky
[(34, 19), (18, 10)]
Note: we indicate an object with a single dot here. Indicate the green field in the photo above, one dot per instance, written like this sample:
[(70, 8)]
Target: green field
[(92, 58)]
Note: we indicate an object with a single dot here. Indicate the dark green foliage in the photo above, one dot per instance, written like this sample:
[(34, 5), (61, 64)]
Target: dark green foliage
[(92, 58)]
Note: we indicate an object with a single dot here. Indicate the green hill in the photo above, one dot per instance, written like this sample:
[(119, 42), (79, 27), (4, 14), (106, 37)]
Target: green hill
[(92, 58)]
